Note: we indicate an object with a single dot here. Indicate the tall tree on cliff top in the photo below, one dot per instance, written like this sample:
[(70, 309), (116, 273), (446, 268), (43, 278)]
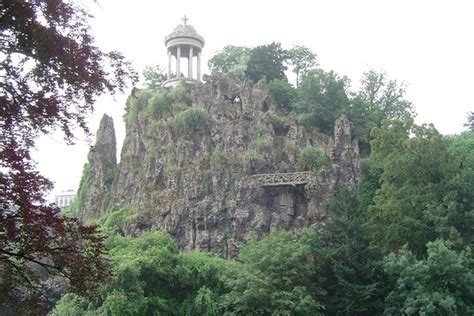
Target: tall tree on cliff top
[(302, 59), (51, 75), (230, 59), (267, 61)]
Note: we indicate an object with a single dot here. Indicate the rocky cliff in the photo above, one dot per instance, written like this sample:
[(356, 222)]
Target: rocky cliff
[(191, 159), (99, 172)]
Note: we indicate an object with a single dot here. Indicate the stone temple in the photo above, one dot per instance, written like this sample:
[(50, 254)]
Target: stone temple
[(183, 42)]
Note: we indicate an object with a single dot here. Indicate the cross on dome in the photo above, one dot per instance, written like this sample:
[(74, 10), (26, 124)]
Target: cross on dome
[(185, 20)]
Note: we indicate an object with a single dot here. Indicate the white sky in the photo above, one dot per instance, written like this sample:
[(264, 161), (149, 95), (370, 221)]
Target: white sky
[(427, 44)]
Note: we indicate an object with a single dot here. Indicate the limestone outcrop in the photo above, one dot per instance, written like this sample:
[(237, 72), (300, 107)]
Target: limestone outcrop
[(198, 183), (98, 174)]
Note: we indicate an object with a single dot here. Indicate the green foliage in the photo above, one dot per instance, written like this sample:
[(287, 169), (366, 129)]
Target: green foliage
[(276, 119), (440, 284), (115, 221), (266, 62), (151, 277), (470, 121), (171, 168), (69, 211), (83, 187), (252, 160), (136, 103), (302, 59), (231, 59), (164, 101), (384, 98), (423, 193), (190, 120), (283, 93), (283, 167), (378, 99), (206, 182), (218, 159), (261, 144), (352, 268), (154, 77), (71, 305), (322, 98), (154, 104), (311, 159), (275, 278), (159, 104), (370, 183)]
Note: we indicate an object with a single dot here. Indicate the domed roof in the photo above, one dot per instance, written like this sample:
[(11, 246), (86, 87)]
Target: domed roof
[(185, 30)]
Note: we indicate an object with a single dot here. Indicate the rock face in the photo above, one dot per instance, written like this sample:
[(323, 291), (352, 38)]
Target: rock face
[(99, 172), (199, 184)]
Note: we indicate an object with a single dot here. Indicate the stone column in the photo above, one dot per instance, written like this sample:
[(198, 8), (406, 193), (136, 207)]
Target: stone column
[(190, 63), (178, 61), (169, 64), (199, 66)]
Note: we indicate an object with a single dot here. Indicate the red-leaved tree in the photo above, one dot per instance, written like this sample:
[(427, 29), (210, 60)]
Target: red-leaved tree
[(51, 72)]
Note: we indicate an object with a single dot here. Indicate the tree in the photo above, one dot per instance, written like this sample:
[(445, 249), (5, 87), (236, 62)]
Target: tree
[(378, 99), (231, 59), (151, 277), (322, 99), (470, 121), (384, 98), (275, 277), (302, 59), (422, 194), (154, 77), (440, 284), (267, 62), (350, 268), (283, 93), (51, 75)]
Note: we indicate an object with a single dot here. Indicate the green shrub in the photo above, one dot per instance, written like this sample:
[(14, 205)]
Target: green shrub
[(159, 104), (276, 119), (252, 159), (311, 159), (218, 159), (261, 144), (190, 120), (115, 219), (283, 93), (178, 94), (69, 212), (283, 167), (135, 104), (171, 168)]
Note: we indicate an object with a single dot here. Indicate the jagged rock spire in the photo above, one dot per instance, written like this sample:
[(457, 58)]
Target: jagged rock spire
[(99, 173)]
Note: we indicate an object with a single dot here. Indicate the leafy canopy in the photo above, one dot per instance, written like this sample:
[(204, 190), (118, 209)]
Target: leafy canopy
[(440, 284), (267, 62), (231, 59), (322, 98), (302, 59), (51, 75), (154, 77)]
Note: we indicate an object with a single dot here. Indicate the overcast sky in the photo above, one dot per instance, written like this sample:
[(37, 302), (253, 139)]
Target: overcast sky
[(427, 44)]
